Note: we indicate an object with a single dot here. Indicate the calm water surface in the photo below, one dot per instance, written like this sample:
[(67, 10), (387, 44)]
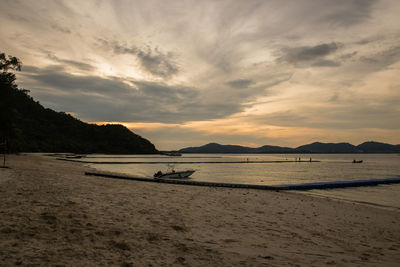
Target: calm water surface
[(332, 167)]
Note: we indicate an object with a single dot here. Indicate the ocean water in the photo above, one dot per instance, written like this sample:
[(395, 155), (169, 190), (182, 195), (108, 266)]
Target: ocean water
[(331, 167)]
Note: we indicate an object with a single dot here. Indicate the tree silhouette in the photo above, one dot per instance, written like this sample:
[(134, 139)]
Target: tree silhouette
[(6, 64), (10, 63), (30, 127), (7, 80)]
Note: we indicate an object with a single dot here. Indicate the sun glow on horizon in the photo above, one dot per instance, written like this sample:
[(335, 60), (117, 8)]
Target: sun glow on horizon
[(220, 130)]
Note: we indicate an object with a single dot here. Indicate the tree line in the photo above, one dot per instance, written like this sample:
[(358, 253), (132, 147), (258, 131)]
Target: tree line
[(27, 126)]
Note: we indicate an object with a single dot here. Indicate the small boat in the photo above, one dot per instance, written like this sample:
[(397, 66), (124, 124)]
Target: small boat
[(357, 161), (173, 174)]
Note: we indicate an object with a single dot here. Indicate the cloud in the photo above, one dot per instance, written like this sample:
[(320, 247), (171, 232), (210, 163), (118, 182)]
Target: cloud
[(151, 59), (60, 28), (241, 83), (58, 79), (336, 114), (346, 12), (384, 58), (112, 98), (18, 18), (115, 99), (73, 63), (378, 57), (308, 53), (326, 63), (226, 61)]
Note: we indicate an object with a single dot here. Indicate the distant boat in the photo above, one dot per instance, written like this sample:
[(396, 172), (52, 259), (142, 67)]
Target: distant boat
[(357, 161), (173, 174)]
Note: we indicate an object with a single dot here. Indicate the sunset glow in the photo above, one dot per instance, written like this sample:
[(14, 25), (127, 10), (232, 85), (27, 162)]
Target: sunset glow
[(184, 73)]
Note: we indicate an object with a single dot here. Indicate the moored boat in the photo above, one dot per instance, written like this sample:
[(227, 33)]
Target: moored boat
[(173, 174)]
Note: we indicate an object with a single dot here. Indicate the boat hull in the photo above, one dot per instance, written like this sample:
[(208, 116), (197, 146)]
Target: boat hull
[(176, 175)]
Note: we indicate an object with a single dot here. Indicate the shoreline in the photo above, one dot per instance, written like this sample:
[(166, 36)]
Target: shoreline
[(350, 201), (51, 213)]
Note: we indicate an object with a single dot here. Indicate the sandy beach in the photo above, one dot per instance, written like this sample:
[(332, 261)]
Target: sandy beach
[(52, 214)]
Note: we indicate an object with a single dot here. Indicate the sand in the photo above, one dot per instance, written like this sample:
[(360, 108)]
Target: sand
[(52, 214)]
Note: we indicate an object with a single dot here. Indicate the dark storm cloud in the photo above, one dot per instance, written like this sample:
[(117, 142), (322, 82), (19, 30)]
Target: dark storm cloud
[(241, 83), (114, 99), (151, 59)]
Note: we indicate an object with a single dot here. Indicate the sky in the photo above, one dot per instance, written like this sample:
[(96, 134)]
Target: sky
[(186, 73)]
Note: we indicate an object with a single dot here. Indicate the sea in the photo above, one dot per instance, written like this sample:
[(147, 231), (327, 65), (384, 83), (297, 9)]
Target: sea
[(273, 169)]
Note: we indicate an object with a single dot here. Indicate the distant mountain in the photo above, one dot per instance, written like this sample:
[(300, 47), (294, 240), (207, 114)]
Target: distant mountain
[(275, 149), (217, 148), (375, 147), (29, 127), (317, 147)]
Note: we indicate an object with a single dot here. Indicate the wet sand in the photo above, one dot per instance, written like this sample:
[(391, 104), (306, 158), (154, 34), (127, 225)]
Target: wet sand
[(52, 214)]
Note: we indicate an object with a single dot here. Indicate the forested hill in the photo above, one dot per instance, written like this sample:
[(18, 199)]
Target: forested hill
[(29, 127)]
